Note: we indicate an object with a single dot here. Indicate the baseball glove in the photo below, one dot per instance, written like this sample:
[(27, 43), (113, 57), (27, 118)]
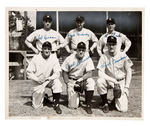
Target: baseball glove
[(79, 86), (117, 91)]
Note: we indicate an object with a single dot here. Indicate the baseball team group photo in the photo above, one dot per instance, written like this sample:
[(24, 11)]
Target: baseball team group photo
[(78, 64)]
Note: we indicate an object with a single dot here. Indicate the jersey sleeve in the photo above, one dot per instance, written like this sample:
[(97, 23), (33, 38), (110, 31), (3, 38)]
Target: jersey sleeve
[(128, 62), (89, 65), (93, 37), (101, 64), (32, 67), (61, 38), (31, 37), (125, 40), (65, 65), (68, 37)]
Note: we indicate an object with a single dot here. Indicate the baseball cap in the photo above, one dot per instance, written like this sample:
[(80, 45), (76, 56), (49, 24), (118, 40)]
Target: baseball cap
[(47, 17), (81, 45), (112, 40), (47, 44), (79, 19), (110, 20)]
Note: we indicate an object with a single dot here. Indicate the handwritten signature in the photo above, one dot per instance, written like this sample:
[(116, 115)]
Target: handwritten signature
[(40, 37), (81, 61), (115, 61)]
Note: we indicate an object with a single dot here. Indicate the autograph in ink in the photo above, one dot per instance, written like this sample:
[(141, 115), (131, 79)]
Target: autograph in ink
[(115, 61)]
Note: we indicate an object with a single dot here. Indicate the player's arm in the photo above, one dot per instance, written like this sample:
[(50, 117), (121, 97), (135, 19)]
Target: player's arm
[(62, 41), (101, 74), (100, 46), (65, 76), (127, 43), (29, 45), (86, 76), (94, 40), (67, 41)]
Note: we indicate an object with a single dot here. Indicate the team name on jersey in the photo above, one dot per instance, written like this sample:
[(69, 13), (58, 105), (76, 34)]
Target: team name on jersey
[(113, 34), (40, 37)]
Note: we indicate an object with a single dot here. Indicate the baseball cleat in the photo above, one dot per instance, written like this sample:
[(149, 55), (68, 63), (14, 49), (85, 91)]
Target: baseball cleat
[(88, 109)]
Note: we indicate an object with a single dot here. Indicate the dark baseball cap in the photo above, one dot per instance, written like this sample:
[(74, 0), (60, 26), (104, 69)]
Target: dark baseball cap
[(81, 45), (79, 19), (112, 40), (47, 17), (47, 44), (110, 20)]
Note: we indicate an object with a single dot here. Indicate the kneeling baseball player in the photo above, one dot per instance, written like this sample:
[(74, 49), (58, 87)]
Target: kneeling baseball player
[(44, 69), (114, 70), (77, 72)]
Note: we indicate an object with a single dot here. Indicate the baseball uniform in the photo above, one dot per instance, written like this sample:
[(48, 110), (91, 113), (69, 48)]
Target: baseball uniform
[(43, 68), (85, 35), (114, 67), (51, 36), (76, 69), (121, 39)]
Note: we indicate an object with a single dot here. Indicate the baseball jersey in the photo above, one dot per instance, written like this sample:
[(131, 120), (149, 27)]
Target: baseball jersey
[(76, 68), (114, 66), (42, 35), (43, 68), (85, 35), (121, 39)]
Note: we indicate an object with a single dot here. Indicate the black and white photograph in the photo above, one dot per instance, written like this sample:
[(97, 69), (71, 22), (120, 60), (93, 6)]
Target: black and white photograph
[(74, 63)]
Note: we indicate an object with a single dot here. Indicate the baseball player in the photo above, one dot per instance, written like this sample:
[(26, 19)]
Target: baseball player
[(80, 34), (114, 68), (121, 38), (77, 73), (45, 67), (45, 34)]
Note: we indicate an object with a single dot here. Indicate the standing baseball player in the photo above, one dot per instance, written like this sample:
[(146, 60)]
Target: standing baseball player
[(45, 34), (77, 72), (44, 69), (121, 38), (80, 34), (114, 71)]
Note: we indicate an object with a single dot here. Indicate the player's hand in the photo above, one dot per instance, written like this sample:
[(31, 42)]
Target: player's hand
[(80, 79), (126, 91), (36, 51)]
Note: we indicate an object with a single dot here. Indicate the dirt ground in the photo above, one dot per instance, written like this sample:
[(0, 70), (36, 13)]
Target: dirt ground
[(19, 101)]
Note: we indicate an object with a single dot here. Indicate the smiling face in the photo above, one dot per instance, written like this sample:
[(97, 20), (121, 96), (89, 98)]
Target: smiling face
[(80, 53), (46, 52)]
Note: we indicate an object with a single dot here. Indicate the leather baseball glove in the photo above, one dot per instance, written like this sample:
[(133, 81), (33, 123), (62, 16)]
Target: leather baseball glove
[(117, 91)]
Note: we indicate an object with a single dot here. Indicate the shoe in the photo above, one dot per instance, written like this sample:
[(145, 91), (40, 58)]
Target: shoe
[(101, 105), (105, 108), (88, 109), (57, 109)]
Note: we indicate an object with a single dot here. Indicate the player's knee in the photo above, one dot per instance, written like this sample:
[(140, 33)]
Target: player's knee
[(90, 84), (57, 86)]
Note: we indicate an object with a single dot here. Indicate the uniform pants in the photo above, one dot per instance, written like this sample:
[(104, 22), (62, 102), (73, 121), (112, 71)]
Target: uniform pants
[(121, 103), (73, 96)]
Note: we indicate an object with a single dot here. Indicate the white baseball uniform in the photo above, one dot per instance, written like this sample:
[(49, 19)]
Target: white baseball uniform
[(76, 69), (85, 35), (44, 68), (121, 39), (115, 68), (42, 36)]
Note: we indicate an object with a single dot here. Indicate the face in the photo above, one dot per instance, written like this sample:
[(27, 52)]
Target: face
[(46, 52), (47, 24), (80, 53), (111, 26), (80, 25), (111, 47)]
